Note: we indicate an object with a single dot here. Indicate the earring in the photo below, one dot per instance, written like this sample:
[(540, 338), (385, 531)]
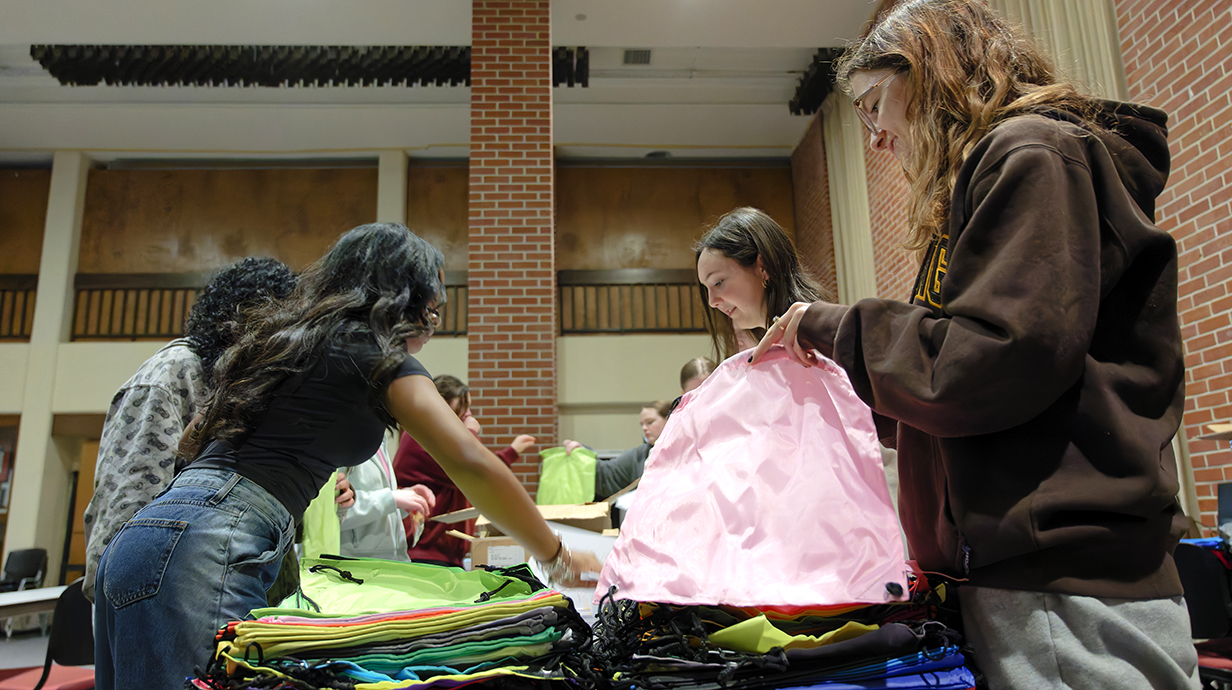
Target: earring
[(764, 284)]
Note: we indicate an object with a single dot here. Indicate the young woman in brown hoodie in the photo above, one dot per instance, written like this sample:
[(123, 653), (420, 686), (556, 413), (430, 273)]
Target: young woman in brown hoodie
[(1037, 375)]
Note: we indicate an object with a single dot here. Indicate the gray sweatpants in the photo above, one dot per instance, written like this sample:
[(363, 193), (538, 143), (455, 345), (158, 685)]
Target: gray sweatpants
[(1040, 641)]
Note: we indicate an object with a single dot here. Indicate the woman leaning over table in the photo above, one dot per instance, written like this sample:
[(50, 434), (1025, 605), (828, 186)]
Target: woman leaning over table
[(313, 385)]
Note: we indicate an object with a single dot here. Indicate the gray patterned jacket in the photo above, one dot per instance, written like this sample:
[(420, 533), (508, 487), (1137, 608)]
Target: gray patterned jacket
[(136, 455)]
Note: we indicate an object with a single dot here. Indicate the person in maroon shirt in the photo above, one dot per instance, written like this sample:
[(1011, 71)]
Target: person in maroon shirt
[(413, 465)]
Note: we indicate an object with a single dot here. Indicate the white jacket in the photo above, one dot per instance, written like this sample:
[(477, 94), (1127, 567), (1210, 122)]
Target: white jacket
[(372, 528)]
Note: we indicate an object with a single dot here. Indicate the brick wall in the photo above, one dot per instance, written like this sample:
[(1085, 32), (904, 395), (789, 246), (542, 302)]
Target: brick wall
[(810, 186), (512, 304), (896, 267), (1177, 55)]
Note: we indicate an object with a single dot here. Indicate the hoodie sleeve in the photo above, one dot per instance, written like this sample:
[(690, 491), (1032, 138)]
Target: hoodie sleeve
[(1019, 295), (508, 455), (373, 501)]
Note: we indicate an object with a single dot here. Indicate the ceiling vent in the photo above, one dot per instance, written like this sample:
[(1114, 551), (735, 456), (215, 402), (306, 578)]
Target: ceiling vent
[(261, 66), (637, 57), (816, 83)]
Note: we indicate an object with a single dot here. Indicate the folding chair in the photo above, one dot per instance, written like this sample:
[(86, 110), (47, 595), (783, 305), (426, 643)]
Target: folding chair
[(24, 569), (71, 645)]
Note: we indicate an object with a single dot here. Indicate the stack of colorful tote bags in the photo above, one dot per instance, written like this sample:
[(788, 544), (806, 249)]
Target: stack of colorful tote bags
[(763, 550), (368, 623)]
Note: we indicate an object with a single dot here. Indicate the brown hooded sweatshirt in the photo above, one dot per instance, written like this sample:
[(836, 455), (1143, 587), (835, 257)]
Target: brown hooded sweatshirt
[(1037, 375)]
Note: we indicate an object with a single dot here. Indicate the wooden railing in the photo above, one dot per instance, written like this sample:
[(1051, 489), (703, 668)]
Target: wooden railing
[(154, 306), (17, 295), (632, 300), (133, 306), (453, 314)]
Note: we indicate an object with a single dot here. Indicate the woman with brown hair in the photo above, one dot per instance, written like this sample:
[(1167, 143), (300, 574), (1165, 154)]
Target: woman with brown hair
[(1037, 375), (748, 271)]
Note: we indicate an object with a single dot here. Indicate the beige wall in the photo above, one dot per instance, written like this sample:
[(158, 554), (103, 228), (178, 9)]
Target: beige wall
[(605, 380), (13, 358), (89, 374), (445, 356)]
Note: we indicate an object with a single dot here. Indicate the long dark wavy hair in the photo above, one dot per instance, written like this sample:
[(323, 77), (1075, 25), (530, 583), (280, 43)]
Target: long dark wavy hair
[(966, 70), (746, 235), (378, 282), (220, 315)]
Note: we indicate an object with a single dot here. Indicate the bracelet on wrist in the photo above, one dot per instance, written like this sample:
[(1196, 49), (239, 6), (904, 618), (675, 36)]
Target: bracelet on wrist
[(559, 568)]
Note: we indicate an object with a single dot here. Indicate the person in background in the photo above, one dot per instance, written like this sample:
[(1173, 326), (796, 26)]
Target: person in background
[(1037, 375), (749, 273), (147, 416), (414, 466), (617, 473), (313, 384), (694, 372), (372, 524)]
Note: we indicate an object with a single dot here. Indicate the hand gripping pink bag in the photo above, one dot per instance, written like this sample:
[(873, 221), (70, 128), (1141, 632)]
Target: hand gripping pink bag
[(766, 489)]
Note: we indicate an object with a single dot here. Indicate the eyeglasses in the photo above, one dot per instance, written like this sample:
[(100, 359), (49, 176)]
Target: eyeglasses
[(858, 102)]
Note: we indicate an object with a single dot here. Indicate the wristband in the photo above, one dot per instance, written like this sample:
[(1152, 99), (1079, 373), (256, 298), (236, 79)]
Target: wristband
[(560, 566)]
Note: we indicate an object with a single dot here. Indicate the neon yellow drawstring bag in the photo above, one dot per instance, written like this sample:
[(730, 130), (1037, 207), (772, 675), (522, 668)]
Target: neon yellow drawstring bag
[(322, 528), (566, 478)]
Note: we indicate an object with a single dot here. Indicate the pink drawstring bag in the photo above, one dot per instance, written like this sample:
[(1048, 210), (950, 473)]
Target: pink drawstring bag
[(766, 490)]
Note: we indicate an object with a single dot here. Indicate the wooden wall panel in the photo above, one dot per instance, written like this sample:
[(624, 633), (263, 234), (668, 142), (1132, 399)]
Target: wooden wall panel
[(174, 221), (436, 210), (615, 217), (23, 214), (84, 491)]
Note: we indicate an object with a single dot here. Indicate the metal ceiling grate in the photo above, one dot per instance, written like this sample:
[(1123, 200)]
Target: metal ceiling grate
[(816, 83), (269, 66), (637, 57), (278, 66), (571, 67)]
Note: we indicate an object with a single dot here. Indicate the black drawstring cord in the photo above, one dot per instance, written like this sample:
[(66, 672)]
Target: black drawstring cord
[(488, 595), (344, 574), (315, 606)]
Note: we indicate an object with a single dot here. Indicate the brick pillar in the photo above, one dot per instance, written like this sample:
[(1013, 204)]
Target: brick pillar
[(1176, 56), (810, 187), (511, 320)]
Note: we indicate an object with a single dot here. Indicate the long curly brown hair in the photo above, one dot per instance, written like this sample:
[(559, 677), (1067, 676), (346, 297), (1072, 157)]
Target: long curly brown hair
[(378, 282), (966, 70)]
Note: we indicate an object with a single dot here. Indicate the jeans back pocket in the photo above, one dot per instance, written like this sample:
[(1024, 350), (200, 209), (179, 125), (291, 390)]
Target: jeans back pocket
[(138, 557)]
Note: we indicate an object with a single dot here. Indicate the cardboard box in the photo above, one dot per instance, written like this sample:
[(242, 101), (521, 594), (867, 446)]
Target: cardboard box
[(491, 547), (1219, 432), (500, 552), (595, 517)]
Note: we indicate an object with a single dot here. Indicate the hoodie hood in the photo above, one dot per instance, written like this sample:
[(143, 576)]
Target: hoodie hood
[(1137, 138)]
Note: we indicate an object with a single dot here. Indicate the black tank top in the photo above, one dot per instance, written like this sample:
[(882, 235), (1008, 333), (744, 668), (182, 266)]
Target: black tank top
[(317, 421)]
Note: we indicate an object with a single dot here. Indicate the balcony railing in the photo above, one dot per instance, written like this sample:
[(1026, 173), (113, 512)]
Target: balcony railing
[(453, 314), (631, 300), (154, 306), (17, 295), (133, 306)]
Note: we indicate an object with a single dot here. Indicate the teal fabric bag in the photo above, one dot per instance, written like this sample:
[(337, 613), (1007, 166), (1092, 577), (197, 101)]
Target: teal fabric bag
[(566, 478)]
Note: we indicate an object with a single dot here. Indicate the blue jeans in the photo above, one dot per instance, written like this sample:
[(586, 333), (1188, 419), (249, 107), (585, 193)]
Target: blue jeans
[(202, 554)]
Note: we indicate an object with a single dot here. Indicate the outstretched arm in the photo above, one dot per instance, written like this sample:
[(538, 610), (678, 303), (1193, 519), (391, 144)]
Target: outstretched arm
[(482, 477)]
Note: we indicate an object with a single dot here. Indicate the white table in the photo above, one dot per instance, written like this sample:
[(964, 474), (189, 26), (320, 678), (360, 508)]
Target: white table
[(30, 600)]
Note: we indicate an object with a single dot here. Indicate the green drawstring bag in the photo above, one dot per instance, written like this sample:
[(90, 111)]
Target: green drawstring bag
[(322, 528), (338, 586), (566, 478)]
